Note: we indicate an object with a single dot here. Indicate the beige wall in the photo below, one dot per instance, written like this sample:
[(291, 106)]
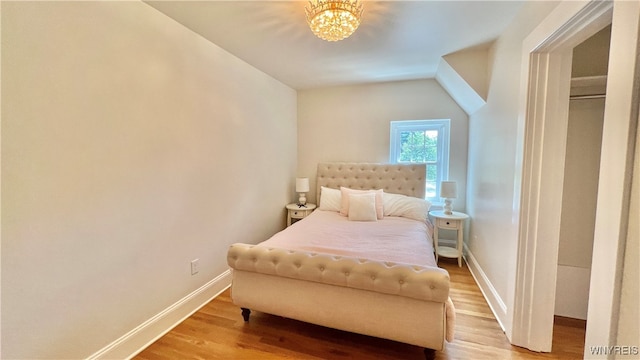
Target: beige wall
[(591, 57), (130, 146), (629, 316), (579, 198), (351, 123), (584, 138), (492, 160)]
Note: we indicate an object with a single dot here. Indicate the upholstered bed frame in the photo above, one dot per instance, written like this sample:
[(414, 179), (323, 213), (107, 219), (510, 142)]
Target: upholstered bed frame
[(399, 302), (393, 178)]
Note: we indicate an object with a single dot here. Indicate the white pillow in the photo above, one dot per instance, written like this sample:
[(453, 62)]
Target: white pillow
[(344, 209), (362, 207), (406, 206), (330, 199)]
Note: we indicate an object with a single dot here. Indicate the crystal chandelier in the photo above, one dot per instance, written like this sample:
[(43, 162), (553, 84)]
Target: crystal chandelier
[(333, 20)]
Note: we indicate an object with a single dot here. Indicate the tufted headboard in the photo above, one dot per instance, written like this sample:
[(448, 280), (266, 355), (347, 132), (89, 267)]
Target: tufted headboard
[(405, 179)]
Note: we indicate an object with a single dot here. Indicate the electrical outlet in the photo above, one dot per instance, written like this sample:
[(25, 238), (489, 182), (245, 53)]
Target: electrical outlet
[(195, 266)]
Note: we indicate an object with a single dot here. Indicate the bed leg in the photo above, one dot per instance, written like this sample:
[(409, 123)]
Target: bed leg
[(245, 314), (429, 354)]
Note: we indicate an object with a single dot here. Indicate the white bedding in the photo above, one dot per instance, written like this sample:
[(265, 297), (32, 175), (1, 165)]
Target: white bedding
[(392, 239)]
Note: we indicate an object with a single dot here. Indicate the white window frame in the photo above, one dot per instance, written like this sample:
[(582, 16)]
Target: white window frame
[(443, 126)]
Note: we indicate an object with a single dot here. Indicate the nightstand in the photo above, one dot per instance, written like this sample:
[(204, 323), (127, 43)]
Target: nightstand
[(455, 221), (296, 212)]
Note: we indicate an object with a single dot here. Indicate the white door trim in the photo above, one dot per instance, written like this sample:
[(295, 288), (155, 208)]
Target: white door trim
[(542, 126), (614, 194)]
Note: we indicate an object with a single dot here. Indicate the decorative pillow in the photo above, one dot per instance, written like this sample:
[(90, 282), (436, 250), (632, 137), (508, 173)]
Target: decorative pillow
[(330, 199), (344, 209), (406, 206), (362, 207)]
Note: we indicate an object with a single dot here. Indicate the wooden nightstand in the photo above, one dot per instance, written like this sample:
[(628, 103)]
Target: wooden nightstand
[(295, 212), (455, 221)]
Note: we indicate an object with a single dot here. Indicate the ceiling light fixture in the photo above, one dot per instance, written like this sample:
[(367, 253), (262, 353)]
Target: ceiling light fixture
[(333, 20)]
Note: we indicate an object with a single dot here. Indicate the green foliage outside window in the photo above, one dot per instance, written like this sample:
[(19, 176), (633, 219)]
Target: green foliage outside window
[(421, 147)]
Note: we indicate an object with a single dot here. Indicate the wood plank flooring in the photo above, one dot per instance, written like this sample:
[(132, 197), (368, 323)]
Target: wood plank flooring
[(217, 331)]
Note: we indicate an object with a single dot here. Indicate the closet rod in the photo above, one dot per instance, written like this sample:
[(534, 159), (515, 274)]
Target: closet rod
[(584, 97)]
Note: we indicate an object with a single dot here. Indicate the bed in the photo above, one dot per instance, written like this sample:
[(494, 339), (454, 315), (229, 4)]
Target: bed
[(338, 266)]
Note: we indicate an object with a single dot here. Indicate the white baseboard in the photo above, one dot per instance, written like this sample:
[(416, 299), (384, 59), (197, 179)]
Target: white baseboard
[(497, 306), (136, 340)]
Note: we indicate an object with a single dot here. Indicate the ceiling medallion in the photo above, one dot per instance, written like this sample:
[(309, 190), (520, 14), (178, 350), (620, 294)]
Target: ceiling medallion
[(333, 20)]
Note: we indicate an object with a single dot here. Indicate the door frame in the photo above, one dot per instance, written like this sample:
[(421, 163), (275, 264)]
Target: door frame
[(542, 127)]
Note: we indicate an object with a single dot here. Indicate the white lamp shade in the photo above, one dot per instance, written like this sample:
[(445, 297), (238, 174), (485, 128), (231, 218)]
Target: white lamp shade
[(302, 185), (448, 190)]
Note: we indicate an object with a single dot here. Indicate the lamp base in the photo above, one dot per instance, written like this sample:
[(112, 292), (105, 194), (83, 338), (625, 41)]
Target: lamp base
[(448, 203), (302, 200)]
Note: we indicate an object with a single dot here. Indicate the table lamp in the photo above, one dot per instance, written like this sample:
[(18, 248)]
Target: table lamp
[(302, 187)]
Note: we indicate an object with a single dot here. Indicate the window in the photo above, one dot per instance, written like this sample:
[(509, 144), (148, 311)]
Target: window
[(423, 141)]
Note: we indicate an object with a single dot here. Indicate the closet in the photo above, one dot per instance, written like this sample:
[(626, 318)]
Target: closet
[(581, 174)]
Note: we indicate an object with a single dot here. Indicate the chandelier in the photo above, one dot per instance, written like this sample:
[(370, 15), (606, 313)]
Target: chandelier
[(333, 20)]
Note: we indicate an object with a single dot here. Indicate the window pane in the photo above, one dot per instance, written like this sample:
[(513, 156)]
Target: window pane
[(431, 189), (431, 145), (419, 146), (432, 172)]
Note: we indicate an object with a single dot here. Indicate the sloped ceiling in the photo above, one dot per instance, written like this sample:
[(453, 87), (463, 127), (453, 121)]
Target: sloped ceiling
[(398, 40)]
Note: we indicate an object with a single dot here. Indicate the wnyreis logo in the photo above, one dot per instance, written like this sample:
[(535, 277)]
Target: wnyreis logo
[(614, 350)]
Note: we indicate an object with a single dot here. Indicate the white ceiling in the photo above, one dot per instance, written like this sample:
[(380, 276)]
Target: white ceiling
[(397, 40)]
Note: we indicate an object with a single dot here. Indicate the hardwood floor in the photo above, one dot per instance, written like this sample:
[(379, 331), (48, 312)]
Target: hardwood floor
[(217, 331)]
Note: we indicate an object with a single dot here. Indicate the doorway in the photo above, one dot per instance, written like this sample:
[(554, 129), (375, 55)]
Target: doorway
[(547, 55), (580, 188)]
